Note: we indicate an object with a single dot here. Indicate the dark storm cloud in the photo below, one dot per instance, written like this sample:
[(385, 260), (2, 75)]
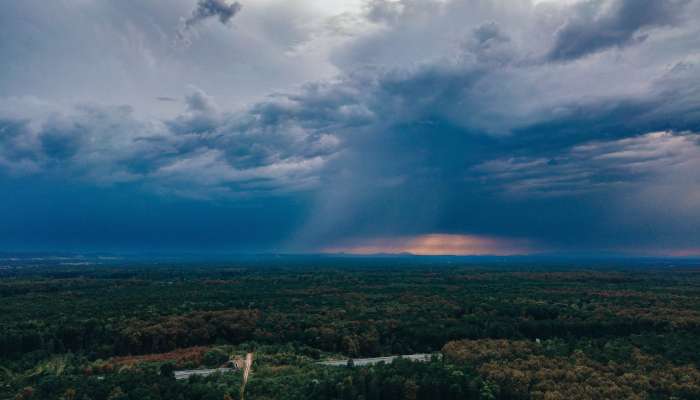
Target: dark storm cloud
[(465, 131), (202, 114), (593, 166), (16, 154), (202, 153), (214, 8), (442, 124), (61, 140), (220, 9), (598, 25)]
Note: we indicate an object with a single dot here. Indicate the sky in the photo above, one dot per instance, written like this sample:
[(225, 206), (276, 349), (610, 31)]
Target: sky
[(360, 126)]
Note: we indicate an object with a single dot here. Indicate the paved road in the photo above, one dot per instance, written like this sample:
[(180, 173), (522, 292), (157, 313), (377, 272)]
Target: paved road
[(372, 361), (200, 372), (336, 363)]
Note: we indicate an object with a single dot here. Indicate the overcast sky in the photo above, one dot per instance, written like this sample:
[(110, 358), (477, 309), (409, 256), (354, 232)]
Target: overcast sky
[(430, 126)]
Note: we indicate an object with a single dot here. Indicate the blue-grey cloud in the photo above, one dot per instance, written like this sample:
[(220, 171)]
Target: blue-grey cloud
[(598, 25), (201, 153), (205, 9), (16, 154), (214, 8), (469, 130)]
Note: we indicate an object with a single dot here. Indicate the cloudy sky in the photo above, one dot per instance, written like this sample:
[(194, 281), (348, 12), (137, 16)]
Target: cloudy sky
[(425, 126)]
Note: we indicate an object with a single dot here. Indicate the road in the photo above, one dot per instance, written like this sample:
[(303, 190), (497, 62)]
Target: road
[(200, 372), (372, 361), (359, 362)]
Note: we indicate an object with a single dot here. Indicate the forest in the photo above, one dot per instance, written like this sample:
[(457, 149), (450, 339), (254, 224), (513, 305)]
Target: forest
[(117, 329)]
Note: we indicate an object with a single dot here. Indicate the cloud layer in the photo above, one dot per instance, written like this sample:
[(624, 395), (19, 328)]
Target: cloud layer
[(573, 126)]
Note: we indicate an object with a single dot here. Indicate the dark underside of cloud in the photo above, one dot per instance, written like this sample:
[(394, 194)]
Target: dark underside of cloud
[(491, 138), (598, 25)]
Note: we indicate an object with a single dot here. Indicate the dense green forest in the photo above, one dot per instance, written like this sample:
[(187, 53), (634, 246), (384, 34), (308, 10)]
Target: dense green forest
[(501, 330)]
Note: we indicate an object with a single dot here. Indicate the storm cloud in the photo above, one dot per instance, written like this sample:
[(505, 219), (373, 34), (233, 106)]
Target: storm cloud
[(207, 9), (597, 25), (495, 122)]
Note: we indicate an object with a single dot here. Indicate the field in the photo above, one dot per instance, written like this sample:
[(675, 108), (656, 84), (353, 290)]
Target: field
[(97, 329)]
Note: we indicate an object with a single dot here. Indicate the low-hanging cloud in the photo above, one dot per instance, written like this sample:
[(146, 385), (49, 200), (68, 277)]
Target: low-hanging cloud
[(601, 24), (202, 153)]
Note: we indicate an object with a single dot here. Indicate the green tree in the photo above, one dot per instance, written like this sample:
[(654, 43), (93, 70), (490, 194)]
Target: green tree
[(167, 370)]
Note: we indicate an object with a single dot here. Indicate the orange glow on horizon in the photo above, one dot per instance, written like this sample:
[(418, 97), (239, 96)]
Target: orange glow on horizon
[(435, 245), (684, 253)]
